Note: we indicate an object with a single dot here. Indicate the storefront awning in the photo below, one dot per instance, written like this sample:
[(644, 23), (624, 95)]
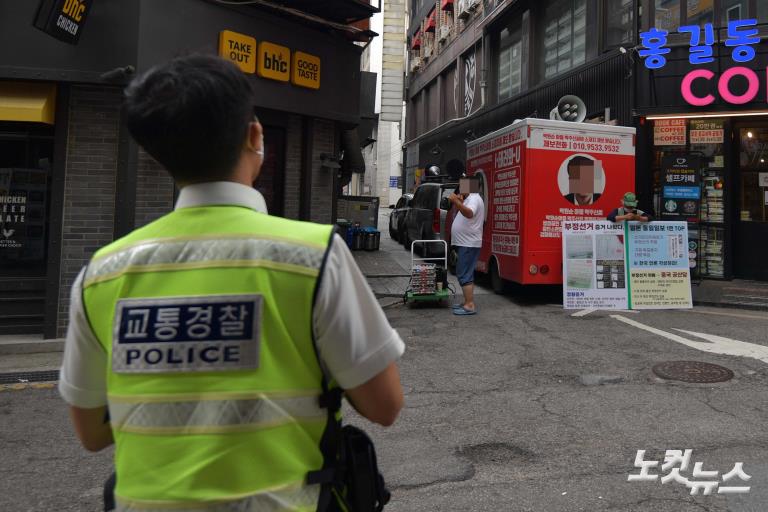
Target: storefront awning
[(430, 22), (416, 42), (446, 5), (27, 101)]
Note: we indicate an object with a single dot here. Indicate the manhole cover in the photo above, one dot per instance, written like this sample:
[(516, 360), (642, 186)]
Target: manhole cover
[(692, 371)]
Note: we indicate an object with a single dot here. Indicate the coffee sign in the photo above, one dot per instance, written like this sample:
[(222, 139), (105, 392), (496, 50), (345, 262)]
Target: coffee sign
[(63, 19)]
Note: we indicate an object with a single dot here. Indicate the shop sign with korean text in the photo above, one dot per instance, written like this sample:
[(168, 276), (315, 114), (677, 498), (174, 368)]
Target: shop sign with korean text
[(707, 131), (681, 189), (630, 265), (701, 86)]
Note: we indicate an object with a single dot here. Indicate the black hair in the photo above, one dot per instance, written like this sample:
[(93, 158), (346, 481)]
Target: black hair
[(577, 160), (192, 115)]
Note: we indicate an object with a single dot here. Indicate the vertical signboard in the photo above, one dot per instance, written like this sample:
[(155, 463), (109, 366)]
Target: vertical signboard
[(594, 274), (632, 265), (63, 19), (658, 264), (681, 189)]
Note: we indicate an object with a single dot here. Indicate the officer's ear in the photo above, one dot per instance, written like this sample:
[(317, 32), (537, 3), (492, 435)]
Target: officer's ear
[(255, 137)]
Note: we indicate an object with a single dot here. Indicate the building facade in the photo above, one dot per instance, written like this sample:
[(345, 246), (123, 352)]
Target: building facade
[(476, 66), (72, 180)]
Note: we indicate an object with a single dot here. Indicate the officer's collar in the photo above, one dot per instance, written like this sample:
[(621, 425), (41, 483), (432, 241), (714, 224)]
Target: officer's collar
[(221, 193)]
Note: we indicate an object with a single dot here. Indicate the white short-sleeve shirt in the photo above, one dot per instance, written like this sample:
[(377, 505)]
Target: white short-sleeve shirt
[(469, 232), (353, 336)]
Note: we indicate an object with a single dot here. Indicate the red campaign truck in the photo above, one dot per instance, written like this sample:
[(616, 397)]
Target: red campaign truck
[(534, 174)]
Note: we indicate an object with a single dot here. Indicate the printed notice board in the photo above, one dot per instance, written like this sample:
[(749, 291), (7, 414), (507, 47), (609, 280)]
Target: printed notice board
[(630, 265)]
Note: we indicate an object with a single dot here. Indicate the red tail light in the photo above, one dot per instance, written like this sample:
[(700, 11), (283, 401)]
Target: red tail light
[(436, 220)]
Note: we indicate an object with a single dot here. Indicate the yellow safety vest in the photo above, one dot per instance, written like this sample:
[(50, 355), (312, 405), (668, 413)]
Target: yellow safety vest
[(213, 379)]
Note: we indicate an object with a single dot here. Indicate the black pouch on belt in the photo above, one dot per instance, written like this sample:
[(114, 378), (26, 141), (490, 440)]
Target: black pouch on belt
[(365, 487)]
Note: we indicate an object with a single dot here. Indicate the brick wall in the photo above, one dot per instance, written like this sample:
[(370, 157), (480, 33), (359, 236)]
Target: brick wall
[(89, 189), (322, 179), (154, 190), (293, 166)]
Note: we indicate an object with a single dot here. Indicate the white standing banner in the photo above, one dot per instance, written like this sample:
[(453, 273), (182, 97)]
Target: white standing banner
[(632, 265)]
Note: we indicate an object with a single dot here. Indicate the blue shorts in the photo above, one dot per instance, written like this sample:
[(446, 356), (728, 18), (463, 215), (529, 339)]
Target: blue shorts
[(465, 264)]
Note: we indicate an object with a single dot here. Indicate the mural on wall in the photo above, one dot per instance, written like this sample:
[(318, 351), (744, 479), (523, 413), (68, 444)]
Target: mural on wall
[(470, 74)]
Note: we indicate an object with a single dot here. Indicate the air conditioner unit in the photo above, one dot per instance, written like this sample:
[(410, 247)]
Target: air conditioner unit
[(428, 52), (445, 31), (415, 63), (467, 7)]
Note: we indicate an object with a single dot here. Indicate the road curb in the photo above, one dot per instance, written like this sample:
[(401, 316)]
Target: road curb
[(22, 346), (729, 305)]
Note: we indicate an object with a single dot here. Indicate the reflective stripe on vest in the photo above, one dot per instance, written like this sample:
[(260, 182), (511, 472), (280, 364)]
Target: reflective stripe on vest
[(295, 497), (190, 253), (241, 414)]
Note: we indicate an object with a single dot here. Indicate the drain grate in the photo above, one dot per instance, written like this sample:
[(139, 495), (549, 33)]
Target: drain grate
[(15, 378), (692, 371)]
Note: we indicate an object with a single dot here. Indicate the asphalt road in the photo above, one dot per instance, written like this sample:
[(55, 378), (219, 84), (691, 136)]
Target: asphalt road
[(523, 407)]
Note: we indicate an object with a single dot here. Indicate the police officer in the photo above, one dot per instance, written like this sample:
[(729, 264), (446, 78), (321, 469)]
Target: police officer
[(217, 338)]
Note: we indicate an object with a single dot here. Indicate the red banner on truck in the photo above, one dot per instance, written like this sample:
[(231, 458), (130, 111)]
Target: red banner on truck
[(536, 173)]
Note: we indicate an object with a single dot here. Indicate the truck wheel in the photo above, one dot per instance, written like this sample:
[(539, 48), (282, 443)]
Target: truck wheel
[(498, 284), (453, 257)]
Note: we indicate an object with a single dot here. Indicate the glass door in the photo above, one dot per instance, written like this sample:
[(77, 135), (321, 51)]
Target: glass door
[(26, 153), (751, 220)]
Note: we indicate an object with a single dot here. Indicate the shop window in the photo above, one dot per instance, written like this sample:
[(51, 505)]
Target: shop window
[(700, 12), (734, 10), (667, 14), (450, 85), (510, 62), (753, 162), (619, 22), (25, 168), (564, 45), (704, 141)]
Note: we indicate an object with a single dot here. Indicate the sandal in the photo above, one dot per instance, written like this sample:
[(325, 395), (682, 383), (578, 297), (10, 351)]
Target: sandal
[(463, 311)]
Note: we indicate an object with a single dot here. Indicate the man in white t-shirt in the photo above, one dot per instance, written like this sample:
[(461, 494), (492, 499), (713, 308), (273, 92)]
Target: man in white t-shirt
[(467, 236)]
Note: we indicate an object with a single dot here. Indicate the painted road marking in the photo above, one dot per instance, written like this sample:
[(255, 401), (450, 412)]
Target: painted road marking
[(584, 312), (732, 347), (714, 344)]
